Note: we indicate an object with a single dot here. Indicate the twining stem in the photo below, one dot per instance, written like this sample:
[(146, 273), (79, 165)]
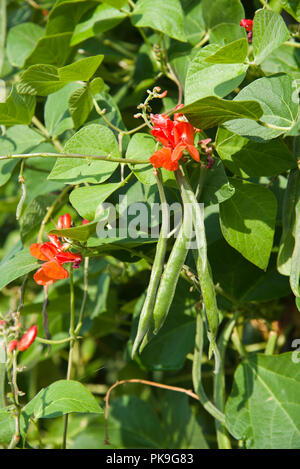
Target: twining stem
[(50, 211), (72, 343), (197, 382), (75, 155), (292, 44), (219, 385), (45, 315), (85, 295), (23, 187), (188, 392), (12, 379), (53, 342), (157, 268)]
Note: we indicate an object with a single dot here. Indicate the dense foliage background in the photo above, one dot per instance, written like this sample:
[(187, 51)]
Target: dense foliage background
[(252, 217)]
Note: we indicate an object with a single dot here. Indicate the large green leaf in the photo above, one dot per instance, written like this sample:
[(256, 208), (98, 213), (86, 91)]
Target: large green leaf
[(247, 158), (103, 18), (166, 17), (65, 15), (21, 40), (7, 426), (222, 11), (233, 53), (269, 32), (205, 78), (248, 221), (141, 147), (295, 263), (46, 79), (52, 50), (22, 263), (17, 109), (92, 140), (60, 398), (193, 22), (264, 408), (56, 113), (280, 109), (88, 200), (212, 111), (292, 7)]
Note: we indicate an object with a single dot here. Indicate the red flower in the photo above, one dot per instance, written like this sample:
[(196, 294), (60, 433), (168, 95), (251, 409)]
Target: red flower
[(85, 221), (175, 136), (247, 24), (53, 253), (64, 222), (27, 339)]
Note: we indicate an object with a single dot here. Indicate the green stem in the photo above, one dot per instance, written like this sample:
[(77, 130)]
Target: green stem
[(23, 187), (85, 295), (75, 155), (219, 385), (71, 350), (271, 344), (2, 32), (197, 361), (157, 268)]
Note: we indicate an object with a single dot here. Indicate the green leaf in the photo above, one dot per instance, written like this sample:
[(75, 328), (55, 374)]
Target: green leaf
[(21, 40), (268, 387), (193, 22), (65, 15), (233, 53), (17, 139), (81, 70), (22, 263), (115, 3), (285, 59), (248, 221), (280, 109), (101, 19), (56, 112), (47, 79), (226, 32), (206, 79), (216, 188), (17, 109), (288, 237), (60, 398), (78, 233), (246, 158), (141, 147), (92, 140), (33, 216), (269, 32), (87, 200), (292, 7), (41, 80), (222, 11), (212, 111), (52, 50), (81, 102), (7, 426), (166, 17)]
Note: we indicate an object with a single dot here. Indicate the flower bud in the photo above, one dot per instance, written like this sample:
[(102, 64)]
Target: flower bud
[(12, 345), (27, 339), (64, 222)]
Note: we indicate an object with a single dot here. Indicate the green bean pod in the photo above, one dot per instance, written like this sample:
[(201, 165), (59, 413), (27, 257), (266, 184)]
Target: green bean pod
[(157, 268), (202, 264), (172, 271)]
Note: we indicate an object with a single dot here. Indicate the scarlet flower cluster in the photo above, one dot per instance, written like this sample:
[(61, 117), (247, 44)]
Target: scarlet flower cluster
[(175, 136), (55, 254), (25, 341)]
